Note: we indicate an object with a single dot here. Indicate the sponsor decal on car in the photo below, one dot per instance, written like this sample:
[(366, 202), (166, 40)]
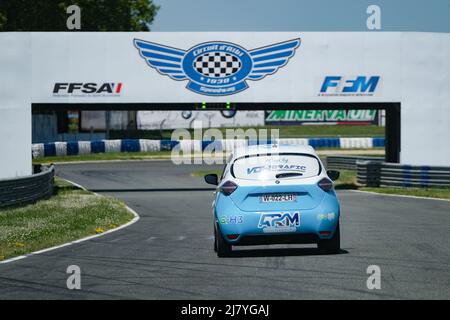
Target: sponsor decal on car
[(326, 216), (231, 219), (279, 222), (276, 167)]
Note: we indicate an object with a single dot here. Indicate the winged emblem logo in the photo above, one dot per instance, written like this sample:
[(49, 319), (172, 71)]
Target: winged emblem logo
[(217, 68)]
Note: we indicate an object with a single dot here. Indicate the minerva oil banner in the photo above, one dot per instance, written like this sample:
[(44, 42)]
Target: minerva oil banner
[(280, 117)]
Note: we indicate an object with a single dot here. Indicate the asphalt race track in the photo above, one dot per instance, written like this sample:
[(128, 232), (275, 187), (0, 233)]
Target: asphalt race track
[(168, 253)]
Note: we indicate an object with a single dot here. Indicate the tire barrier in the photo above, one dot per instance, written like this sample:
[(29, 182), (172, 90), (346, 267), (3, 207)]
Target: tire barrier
[(348, 162), (26, 190), (360, 143), (376, 174), (61, 149)]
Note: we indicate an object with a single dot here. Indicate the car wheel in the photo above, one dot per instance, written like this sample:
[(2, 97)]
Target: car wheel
[(223, 248), (332, 245)]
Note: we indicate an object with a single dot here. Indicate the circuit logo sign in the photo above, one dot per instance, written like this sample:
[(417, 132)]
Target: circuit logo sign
[(349, 86), (217, 68), (87, 89)]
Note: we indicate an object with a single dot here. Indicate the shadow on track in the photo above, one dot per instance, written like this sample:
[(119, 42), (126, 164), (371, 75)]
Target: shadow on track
[(246, 253)]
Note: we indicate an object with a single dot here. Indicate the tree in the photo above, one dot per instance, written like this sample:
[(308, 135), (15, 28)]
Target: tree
[(96, 15)]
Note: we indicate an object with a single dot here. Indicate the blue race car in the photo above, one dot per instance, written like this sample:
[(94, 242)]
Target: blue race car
[(275, 194)]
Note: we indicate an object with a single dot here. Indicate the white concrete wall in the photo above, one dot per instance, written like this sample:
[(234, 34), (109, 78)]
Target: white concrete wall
[(414, 70), (103, 57), (425, 95), (15, 105)]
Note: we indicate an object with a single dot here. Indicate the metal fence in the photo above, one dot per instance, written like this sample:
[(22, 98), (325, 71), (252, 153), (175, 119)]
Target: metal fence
[(348, 162), (376, 174), (25, 190)]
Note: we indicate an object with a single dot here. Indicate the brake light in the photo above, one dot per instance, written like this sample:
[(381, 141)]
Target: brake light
[(228, 188), (325, 184)]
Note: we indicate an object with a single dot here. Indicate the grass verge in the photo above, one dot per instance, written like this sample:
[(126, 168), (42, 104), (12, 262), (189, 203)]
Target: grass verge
[(201, 173), (69, 215), (294, 131), (347, 181), (105, 156), (441, 193), (167, 155)]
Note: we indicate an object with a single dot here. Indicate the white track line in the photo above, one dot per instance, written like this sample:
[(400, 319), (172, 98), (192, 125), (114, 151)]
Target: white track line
[(135, 219), (399, 195)]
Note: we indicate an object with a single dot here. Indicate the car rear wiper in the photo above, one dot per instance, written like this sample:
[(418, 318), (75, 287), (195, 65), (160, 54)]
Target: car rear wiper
[(288, 174)]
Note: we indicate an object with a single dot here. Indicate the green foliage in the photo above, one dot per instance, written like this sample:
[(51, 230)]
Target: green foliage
[(294, 131), (106, 156), (440, 193), (96, 15)]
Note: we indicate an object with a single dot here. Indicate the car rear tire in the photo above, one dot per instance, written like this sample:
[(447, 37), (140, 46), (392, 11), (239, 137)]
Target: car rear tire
[(223, 249), (215, 238), (332, 245)]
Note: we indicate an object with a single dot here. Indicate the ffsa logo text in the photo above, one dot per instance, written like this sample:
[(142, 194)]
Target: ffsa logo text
[(83, 89), (349, 86)]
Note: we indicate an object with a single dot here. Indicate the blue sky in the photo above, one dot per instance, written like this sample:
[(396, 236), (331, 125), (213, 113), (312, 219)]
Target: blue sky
[(300, 15)]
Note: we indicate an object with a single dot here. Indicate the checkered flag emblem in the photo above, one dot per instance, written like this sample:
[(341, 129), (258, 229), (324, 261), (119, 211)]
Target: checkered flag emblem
[(217, 64), (217, 68)]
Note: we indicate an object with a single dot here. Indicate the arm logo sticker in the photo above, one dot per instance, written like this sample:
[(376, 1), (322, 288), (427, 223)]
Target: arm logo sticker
[(217, 68), (279, 222)]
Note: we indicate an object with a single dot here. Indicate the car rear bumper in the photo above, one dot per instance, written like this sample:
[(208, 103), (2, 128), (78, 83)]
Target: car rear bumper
[(251, 228), (262, 239)]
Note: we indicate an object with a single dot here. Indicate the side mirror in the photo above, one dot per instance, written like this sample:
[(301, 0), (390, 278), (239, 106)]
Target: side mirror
[(333, 174), (212, 179)]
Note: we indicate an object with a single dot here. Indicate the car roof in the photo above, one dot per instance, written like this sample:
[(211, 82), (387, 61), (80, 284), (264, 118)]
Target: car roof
[(272, 148)]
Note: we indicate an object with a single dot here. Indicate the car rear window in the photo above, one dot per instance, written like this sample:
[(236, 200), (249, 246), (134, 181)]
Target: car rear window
[(267, 167)]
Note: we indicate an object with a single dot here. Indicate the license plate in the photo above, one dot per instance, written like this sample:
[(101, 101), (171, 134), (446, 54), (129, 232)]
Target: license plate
[(282, 197)]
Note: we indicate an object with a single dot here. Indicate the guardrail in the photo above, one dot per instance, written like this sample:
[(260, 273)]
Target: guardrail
[(25, 190), (144, 145), (348, 162), (376, 174)]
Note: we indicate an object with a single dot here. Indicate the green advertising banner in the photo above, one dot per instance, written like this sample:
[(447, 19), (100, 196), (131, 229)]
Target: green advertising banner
[(322, 116)]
